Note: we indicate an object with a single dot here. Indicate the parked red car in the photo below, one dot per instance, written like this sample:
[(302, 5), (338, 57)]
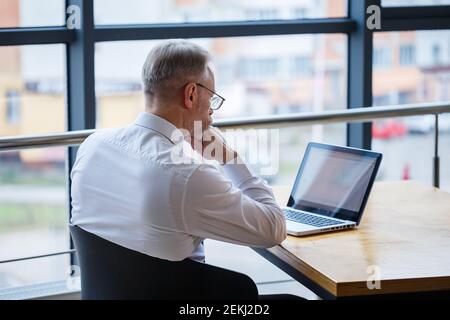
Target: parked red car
[(388, 129)]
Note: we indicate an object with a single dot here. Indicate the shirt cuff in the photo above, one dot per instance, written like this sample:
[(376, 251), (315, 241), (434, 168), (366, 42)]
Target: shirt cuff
[(238, 173)]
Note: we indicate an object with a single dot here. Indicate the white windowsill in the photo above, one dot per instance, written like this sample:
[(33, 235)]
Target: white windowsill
[(50, 290), (59, 291)]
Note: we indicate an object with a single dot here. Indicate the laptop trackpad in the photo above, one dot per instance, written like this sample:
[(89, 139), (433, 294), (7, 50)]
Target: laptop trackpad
[(298, 227)]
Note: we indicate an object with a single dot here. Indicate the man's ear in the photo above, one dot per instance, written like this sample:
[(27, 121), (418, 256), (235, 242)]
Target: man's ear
[(190, 95)]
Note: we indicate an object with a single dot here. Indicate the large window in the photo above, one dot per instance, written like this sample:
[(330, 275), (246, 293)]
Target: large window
[(271, 57), (33, 215), (407, 55), (415, 76), (254, 78), (156, 11), (33, 199)]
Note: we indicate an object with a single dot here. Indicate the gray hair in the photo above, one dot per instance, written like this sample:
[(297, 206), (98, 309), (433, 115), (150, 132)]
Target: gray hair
[(171, 64)]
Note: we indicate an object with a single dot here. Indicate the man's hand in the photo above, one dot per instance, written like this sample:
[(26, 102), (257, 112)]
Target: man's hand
[(214, 147)]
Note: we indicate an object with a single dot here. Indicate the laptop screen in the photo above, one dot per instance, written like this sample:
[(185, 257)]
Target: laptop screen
[(334, 181)]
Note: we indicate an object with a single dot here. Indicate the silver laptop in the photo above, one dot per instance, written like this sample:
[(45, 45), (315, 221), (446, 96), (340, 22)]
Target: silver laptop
[(331, 189)]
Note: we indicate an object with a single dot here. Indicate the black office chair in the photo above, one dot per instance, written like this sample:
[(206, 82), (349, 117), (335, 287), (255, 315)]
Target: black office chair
[(110, 271)]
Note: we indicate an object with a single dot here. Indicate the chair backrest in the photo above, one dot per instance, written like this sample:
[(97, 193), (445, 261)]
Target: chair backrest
[(110, 271)]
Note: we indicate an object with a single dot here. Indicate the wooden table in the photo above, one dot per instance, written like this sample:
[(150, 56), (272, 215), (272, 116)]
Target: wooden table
[(403, 241)]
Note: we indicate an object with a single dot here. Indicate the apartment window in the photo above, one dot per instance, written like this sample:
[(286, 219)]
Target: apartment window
[(250, 68), (436, 54), (382, 57), (12, 107), (336, 84), (407, 55), (383, 100), (261, 14), (406, 97), (300, 13), (301, 66)]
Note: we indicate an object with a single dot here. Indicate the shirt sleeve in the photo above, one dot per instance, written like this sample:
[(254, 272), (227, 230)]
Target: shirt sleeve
[(235, 207)]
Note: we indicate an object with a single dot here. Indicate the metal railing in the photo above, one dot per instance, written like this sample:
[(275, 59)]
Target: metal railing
[(39, 256), (348, 115)]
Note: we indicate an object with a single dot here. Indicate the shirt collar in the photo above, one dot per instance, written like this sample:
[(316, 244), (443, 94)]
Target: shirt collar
[(158, 124)]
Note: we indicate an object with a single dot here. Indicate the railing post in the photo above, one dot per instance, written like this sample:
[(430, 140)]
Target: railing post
[(436, 160)]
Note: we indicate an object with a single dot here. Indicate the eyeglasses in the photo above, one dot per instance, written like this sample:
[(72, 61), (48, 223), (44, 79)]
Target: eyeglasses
[(216, 101)]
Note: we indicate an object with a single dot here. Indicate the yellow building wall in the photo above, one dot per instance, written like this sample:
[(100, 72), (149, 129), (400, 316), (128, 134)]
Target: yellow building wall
[(118, 110), (46, 114), (43, 114)]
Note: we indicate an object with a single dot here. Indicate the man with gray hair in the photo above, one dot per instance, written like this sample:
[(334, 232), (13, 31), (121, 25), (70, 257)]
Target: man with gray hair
[(127, 188)]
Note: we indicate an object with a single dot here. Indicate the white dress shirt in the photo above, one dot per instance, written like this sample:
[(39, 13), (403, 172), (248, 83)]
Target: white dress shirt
[(127, 189)]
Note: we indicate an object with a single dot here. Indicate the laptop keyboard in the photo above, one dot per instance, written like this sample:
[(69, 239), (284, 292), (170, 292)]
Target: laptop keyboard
[(309, 219)]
